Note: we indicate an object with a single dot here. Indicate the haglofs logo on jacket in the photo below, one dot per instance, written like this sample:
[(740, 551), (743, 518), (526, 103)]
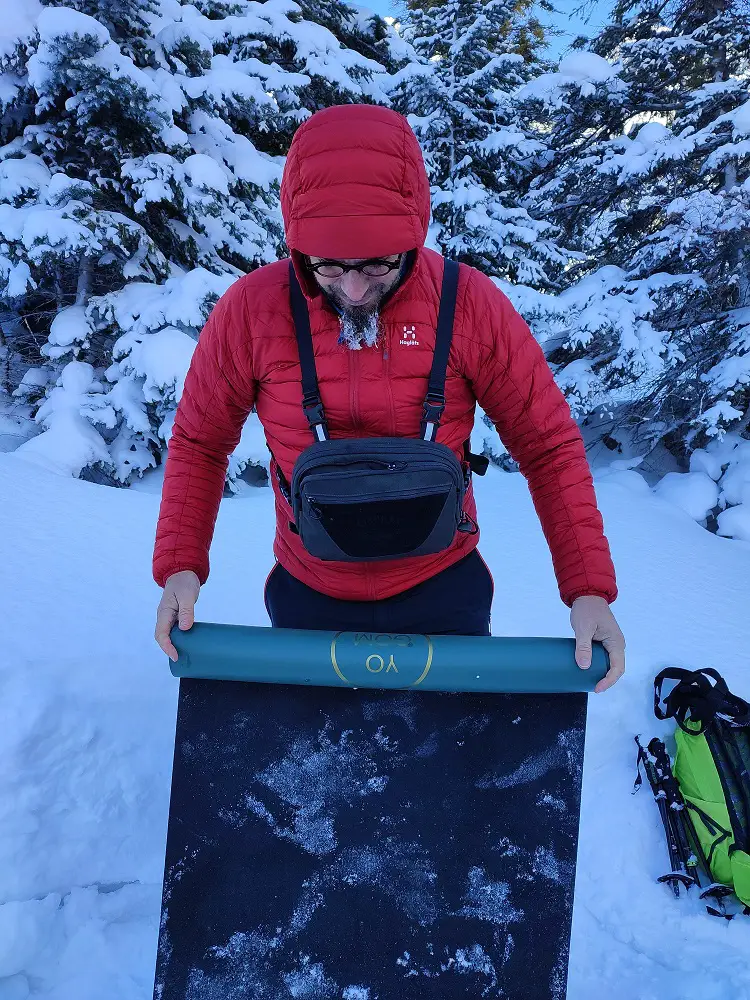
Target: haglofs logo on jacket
[(409, 337)]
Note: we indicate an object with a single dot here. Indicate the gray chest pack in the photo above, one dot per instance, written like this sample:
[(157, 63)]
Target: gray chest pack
[(376, 498)]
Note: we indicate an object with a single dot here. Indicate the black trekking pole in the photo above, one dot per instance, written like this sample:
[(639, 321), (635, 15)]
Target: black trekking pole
[(679, 852), (675, 807), (687, 836)]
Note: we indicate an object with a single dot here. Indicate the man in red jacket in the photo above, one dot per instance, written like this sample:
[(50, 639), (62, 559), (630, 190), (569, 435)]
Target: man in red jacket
[(355, 192)]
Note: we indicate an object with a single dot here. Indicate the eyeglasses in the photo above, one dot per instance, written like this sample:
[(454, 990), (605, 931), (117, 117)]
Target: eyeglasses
[(375, 267)]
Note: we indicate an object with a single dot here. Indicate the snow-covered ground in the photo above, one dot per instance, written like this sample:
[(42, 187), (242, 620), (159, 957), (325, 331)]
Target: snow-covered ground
[(88, 712)]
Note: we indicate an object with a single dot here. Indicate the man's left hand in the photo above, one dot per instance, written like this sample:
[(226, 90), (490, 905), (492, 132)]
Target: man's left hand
[(592, 619)]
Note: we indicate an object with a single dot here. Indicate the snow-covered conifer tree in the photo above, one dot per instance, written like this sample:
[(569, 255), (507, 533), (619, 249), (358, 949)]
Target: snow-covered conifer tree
[(481, 153), (651, 178), (477, 151), (143, 146)]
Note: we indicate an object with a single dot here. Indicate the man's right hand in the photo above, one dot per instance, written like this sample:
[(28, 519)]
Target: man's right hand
[(177, 604)]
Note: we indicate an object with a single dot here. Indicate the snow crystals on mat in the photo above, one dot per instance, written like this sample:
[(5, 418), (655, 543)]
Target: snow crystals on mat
[(489, 900), (472, 959), (315, 781), (402, 704), (533, 767), (550, 801), (400, 871), (546, 864), (310, 981), (248, 971)]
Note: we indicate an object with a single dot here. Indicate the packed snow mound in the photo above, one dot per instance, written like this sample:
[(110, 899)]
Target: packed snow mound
[(583, 70), (695, 492), (651, 133), (586, 66), (17, 23)]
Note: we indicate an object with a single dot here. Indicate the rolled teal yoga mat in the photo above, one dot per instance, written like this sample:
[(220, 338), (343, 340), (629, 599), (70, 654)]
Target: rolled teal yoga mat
[(381, 660)]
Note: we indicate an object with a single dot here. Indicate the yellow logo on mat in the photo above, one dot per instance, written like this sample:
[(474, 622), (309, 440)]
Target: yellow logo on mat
[(347, 654)]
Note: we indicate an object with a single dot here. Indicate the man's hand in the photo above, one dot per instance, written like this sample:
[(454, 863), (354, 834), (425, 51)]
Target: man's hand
[(592, 619), (177, 602)]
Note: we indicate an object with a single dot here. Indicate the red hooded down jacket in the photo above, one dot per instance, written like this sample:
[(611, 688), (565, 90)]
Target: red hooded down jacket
[(355, 186)]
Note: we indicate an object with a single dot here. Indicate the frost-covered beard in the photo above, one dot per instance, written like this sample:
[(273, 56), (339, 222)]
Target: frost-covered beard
[(360, 326)]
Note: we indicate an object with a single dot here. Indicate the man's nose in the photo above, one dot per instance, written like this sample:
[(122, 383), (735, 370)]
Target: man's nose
[(354, 285)]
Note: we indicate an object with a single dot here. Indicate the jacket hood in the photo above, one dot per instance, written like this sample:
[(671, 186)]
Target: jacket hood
[(354, 185)]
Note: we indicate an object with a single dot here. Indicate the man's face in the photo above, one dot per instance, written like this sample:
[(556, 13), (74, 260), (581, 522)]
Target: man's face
[(358, 296), (355, 290)]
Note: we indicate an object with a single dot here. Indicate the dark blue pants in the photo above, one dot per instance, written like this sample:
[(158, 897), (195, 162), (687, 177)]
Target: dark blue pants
[(456, 601)]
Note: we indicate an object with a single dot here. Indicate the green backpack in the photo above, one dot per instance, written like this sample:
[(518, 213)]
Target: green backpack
[(704, 796)]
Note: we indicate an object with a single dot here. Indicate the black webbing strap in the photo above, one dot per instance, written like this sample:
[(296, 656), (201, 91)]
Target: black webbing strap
[(434, 403), (311, 401), (696, 695)]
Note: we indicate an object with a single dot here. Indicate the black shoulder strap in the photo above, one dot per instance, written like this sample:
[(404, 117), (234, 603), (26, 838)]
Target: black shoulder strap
[(435, 400), (695, 694), (434, 403), (311, 401)]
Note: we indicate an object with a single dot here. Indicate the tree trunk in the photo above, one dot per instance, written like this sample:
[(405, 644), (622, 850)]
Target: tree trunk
[(84, 281)]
